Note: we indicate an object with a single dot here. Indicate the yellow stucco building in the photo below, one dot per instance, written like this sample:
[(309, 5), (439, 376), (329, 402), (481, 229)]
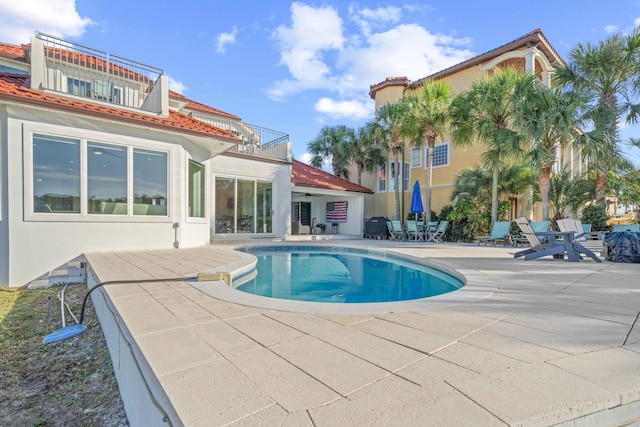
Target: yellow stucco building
[(533, 53)]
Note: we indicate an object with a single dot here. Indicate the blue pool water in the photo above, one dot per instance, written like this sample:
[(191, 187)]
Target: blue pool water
[(345, 276)]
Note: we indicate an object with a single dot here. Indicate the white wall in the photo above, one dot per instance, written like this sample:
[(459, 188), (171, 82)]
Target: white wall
[(31, 246)]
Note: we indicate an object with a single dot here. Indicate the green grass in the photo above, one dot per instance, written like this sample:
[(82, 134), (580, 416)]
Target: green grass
[(70, 382)]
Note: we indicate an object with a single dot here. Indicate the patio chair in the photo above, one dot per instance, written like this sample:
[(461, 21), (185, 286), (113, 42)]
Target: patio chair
[(395, 229), (499, 231), (625, 227), (436, 236), (571, 247), (582, 235), (413, 231), (538, 227), (537, 249), (297, 228)]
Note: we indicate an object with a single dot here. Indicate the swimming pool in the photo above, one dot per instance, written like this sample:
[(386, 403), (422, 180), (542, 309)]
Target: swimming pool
[(341, 276)]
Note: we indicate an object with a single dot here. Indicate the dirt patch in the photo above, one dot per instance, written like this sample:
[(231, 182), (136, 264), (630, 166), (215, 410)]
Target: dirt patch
[(69, 382)]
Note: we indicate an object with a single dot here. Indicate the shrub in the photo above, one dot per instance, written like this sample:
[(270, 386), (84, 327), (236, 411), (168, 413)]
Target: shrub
[(596, 216)]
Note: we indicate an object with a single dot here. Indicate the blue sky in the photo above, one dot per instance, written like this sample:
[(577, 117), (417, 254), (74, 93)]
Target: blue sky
[(297, 66)]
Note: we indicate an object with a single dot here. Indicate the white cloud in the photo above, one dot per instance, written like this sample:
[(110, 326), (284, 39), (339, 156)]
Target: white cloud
[(611, 29), (368, 19), (19, 20), (323, 52), (313, 31), (176, 86), (225, 39), (636, 22), (352, 109)]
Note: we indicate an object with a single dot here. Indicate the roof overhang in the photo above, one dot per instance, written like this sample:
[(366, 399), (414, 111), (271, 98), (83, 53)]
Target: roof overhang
[(213, 144)]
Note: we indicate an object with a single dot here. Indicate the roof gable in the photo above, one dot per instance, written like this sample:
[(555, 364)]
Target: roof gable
[(308, 176)]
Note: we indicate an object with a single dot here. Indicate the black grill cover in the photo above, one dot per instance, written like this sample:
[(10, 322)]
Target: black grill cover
[(623, 246), (376, 228)]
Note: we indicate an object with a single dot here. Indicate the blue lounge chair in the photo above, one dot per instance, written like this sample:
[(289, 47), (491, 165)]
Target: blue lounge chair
[(436, 236), (395, 229), (499, 231), (626, 227), (413, 232)]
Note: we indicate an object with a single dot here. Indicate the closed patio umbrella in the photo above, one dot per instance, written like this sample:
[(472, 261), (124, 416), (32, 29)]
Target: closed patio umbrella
[(416, 199)]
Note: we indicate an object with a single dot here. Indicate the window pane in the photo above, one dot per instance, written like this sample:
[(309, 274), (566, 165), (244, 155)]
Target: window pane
[(149, 182), (56, 174), (196, 189), (78, 87), (382, 178), (245, 213), (106, 179), (415, 157), (263, 214), (440, 155), (225, 205), (406, 176)]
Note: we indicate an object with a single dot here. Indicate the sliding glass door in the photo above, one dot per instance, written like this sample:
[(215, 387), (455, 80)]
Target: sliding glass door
[(243, 206)]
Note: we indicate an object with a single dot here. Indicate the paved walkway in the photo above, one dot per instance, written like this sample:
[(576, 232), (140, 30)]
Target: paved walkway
[(540, 342)]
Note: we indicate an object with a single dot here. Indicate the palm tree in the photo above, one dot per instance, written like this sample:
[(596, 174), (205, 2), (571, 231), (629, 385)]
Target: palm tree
[(363, 150), (551, 119), (428, 121), (329, 144), (487, 112), (389, 122), (608, 71)]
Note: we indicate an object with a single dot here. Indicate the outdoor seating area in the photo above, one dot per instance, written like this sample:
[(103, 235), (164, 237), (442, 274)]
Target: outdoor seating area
[(557, 244), (412, 230)]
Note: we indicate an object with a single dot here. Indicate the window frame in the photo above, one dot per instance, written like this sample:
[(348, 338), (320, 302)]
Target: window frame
[(414, 157), (86, 136), (379, 181), (236, 179), (205, 171), (444, 165), (405, 181)]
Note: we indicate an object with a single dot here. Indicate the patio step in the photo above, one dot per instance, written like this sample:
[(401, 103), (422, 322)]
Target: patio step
[(71, 272)]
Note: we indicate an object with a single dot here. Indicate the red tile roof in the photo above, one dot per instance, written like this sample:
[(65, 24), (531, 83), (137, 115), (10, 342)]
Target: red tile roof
[(15, 87), (533, 38), (12, 51), (193, 105), (308, 176)]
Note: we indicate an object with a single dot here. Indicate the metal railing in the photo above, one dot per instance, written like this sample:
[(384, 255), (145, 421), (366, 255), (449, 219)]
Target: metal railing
[(87, 72), (257, 141), (263, 142)]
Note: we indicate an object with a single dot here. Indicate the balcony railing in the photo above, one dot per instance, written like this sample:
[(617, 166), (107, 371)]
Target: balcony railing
[(263, 142), (257, 141), (87, 72)]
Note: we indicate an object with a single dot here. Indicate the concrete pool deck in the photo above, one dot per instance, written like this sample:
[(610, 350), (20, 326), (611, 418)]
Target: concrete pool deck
[(539, 342)]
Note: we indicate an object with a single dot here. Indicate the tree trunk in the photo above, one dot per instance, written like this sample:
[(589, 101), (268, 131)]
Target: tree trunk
[(360, 169), (431, 143), (397, 182), (494, 195), (545, 184), (601, 185)]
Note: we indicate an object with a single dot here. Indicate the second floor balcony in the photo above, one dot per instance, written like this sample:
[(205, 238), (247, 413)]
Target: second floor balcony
[(90, 73)]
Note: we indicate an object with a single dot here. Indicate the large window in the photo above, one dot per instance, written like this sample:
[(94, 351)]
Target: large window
[(243, 206), (440, 155), (196, 190), (149, 182), (84, 177), (106, 179), (56, 174)]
